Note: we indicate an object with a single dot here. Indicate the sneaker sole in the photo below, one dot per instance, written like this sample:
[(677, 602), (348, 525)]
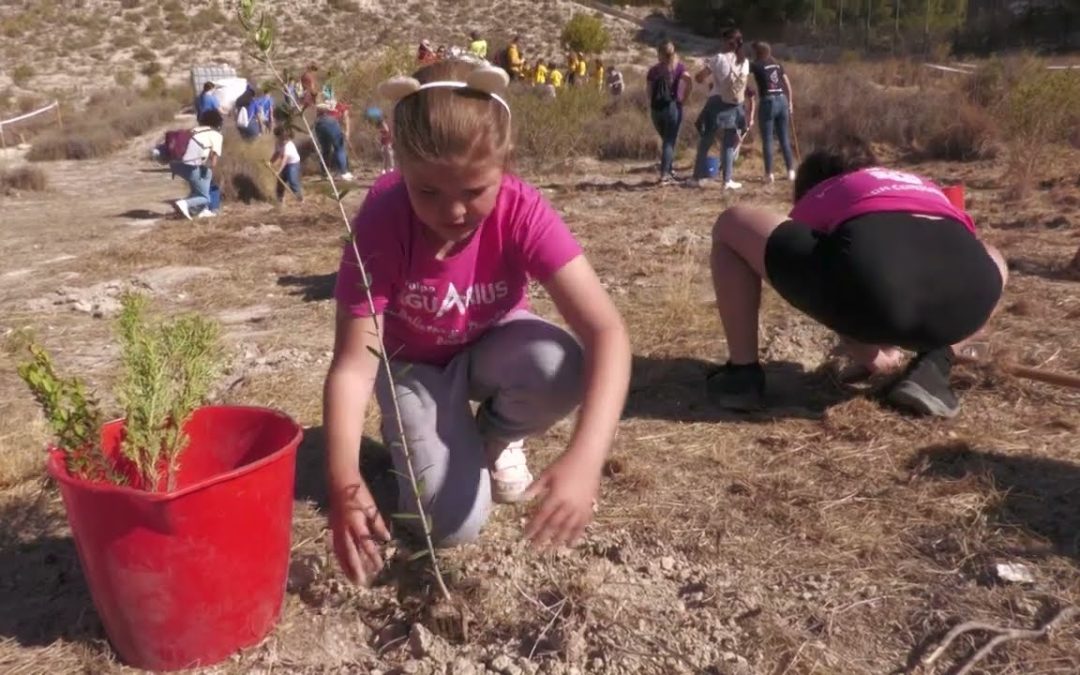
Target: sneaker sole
[(912, 397)]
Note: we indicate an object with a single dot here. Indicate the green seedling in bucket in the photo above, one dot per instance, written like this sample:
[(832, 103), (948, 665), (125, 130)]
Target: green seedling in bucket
[(167, 371)]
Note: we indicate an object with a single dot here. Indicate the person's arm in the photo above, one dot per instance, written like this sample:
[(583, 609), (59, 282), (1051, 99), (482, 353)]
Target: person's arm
[(751, 108), (570, 484), (354, 519), (702, 75), (689, 86), (787, 92)]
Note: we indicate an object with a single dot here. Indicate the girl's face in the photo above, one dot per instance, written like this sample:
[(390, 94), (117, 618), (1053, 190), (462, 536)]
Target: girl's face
[(452, 198)]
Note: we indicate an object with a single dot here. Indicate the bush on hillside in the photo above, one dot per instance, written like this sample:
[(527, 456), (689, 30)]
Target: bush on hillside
[(551, 131), (585, 33), (242, 173), (101, 129), (1038, 114)]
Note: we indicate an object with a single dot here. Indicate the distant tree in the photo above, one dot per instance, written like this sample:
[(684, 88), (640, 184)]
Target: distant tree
[(586, 33)]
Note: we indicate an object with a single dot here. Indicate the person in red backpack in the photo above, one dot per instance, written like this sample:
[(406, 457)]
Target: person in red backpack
[(197, 165)]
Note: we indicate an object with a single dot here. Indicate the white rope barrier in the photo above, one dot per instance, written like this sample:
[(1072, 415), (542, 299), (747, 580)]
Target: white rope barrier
[(28, 115)]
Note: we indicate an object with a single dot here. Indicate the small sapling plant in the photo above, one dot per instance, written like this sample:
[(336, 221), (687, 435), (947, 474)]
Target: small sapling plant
[(168, 368)]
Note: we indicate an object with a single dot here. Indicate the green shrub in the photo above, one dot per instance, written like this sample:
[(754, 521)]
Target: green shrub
[(124, 78), (81, 143), (549, 131), (144, 54), (150, 68), (22, 74), (1041, 111), (129, 4), (123, 41), (586, 33)]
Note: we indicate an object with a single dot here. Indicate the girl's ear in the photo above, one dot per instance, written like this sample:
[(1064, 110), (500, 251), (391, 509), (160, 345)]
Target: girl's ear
[(488, 79), (397, 88)]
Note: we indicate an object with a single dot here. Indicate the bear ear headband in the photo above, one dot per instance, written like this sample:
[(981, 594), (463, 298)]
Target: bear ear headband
[(487, 79)]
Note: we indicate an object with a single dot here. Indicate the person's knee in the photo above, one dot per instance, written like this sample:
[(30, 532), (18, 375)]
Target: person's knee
[(552, 359), (999, 260), (730, 222)]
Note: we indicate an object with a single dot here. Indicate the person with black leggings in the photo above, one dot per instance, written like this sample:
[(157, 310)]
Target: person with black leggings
[(879, 256)]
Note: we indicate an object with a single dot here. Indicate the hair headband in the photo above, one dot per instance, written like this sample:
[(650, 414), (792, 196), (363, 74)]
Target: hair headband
[(485, 79)]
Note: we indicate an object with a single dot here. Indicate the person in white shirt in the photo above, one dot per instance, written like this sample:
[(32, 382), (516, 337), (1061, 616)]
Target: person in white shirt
[(198, 163), (286, 163), (730, 73)]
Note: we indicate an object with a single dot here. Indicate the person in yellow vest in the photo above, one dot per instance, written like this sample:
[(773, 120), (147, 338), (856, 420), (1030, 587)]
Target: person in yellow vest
[(582, 68), (540, 75), (555, 77), (478, 47), (514, 61), (598, 74), (571, 68)]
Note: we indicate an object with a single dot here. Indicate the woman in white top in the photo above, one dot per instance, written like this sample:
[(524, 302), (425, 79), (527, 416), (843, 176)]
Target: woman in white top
[(198, 163), (730, 72)]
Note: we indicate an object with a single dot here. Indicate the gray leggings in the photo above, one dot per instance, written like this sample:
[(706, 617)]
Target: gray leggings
[(526, 374)]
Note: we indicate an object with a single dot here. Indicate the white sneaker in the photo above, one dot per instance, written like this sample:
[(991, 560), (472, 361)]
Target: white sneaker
[(732, 185), (791, 175), (182, 208), (769, 178), (347, 176), (206, 213), (510, 475)]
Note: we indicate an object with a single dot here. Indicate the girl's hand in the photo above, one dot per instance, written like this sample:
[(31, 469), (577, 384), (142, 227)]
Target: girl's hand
[(569, 487), (358, 529)]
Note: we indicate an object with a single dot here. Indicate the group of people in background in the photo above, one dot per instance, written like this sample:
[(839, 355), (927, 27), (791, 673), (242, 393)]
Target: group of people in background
[(543, 74), (742, 91)]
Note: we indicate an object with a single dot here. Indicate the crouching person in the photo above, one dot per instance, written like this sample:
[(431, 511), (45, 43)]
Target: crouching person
[(449, 244), (879, 256)]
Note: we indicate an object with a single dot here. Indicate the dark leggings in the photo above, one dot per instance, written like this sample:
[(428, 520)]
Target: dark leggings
[(887, 278)]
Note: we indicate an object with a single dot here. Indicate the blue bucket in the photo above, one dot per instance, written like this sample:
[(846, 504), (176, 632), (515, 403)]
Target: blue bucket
[(712, 165), (215, 198)]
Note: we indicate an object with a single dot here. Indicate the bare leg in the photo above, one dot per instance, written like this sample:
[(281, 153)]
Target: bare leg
[(738, 266), (876, 359)]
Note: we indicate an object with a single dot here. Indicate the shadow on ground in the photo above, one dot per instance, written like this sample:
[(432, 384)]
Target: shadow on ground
[(375, 465), (43, 596), (674, 389), (1051, 271), (1038, 494), (143, 214), (310, 287)]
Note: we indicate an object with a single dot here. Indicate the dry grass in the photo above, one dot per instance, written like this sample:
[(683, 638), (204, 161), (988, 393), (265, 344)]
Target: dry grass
[(242, 172), (104, 127), (23, 178)]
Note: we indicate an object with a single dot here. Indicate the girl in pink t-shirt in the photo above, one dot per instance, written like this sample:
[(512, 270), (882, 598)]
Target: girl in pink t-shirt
[(877, 255), (449, 245)]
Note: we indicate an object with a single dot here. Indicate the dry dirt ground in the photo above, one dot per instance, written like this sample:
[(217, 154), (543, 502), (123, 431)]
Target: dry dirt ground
[(828, 535)]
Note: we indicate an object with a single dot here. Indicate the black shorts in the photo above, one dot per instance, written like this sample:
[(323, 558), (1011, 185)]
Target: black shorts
[(887, 278)]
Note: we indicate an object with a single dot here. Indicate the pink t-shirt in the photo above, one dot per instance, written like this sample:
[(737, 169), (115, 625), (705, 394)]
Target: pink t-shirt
[(434, 309), (858, 193)]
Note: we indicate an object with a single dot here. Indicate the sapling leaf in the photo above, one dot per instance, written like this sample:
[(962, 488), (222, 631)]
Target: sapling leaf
[(374, 351), (422, 553), (405, 516)]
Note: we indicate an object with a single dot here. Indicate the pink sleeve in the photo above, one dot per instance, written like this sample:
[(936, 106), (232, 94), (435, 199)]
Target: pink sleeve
[(545, 240), (376, 228)]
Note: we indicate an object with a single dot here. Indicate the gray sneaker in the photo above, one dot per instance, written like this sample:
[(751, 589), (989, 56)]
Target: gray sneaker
[(924, 388)]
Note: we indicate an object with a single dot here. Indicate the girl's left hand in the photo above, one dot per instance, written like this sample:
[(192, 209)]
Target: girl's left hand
[(569, 487)]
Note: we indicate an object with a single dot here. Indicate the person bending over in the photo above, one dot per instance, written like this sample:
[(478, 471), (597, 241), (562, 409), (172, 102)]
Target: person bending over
[(879, 256)]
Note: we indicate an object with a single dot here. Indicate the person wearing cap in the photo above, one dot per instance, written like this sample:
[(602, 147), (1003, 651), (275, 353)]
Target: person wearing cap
[(207, 101), (331, 139)]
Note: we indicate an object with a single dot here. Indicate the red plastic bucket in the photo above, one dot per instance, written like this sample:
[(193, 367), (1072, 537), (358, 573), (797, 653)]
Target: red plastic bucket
[(955, 195), (186, 578)]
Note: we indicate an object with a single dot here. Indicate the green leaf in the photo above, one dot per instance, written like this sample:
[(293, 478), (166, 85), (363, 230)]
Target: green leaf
[(376, 352), (419, 554), (405, 516), (344, 191)]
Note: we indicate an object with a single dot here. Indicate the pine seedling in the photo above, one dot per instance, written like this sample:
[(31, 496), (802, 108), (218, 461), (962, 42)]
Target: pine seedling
[(168, 369), (72, 414), (260, 33)]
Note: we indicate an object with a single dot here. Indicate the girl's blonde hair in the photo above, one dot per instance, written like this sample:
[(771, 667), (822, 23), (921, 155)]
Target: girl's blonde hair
[(443, 124)]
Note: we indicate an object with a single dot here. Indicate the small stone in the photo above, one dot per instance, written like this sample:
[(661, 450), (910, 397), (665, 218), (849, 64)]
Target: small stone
[(667, 563), (528, 667), (501, 663), (411, 667), (463, 666), (425, 644), (597, 665)]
